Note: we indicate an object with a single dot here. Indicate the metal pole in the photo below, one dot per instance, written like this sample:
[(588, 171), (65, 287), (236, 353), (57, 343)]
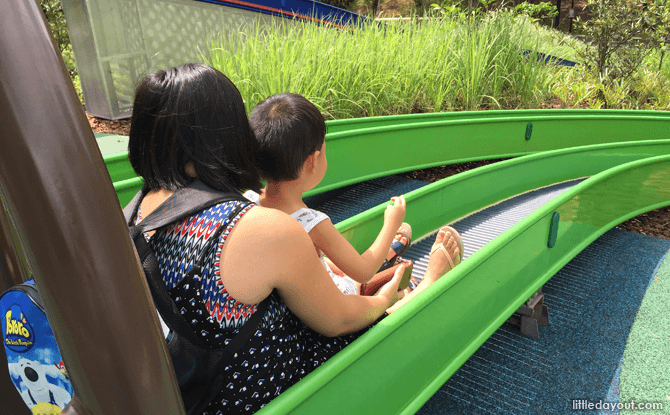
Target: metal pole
[(10, 275), (11, 269), (572, 15), (70, 223)]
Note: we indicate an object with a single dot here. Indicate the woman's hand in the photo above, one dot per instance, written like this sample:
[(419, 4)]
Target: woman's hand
[(395, 213), (390, 290)]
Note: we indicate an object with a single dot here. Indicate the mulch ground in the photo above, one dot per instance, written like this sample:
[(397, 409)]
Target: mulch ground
[(99, 125)]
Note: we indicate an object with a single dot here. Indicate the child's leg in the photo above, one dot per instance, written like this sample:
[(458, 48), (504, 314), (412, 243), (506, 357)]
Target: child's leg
[(398, 247), (444, 256)]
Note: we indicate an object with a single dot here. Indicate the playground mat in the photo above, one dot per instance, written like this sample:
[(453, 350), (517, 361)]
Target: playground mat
[(593, 302), (645, 367)]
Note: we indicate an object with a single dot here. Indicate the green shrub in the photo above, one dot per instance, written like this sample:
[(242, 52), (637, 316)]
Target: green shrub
[(656, 17), (427, 65), (463, 9), (543, 12), (53, 10)]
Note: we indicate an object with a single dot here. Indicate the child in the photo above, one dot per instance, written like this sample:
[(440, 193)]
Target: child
[(291, 132)]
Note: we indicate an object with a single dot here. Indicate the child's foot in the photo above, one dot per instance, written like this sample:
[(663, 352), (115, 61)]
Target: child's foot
[(445, 253), (399, 246)]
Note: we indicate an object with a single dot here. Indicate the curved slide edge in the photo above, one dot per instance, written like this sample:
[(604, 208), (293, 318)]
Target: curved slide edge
[(364, 154), (448, 322), (349, 124)]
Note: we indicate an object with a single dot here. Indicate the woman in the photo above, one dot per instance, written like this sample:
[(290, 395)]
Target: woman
[(189, 122)]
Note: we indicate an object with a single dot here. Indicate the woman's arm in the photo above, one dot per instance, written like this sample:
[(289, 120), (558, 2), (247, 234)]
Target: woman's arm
[(269, 250), (311, 294), (359, 267)]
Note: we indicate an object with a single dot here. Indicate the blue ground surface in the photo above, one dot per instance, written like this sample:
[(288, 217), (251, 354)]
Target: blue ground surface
[(592, 303)]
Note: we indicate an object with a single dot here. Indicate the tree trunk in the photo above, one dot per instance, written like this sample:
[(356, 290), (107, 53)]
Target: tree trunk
[(660, 61)]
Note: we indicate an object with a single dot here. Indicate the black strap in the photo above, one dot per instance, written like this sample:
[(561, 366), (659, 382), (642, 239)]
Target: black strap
[(181, 204)]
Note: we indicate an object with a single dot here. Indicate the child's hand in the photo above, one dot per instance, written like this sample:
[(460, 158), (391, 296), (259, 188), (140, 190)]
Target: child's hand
[(390, 290), (395, 213)]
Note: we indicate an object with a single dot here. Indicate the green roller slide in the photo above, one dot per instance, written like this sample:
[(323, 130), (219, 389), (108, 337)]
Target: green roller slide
[(457, 196), (415, 350), (428, 140), (366, 148), (337, 126), (397, 365)]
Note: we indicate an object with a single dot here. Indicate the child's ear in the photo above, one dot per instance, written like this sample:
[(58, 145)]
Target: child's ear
[(310, 163)]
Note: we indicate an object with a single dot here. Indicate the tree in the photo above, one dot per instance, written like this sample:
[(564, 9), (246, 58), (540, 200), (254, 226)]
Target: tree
[(618, 36), (656, 16)]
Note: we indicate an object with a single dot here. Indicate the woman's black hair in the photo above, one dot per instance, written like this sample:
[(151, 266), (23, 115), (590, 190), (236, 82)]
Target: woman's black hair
[(289, 128), (192, 113)]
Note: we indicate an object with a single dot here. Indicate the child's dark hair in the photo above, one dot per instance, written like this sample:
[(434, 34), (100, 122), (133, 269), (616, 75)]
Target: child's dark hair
[(289, 128), (192, 113)]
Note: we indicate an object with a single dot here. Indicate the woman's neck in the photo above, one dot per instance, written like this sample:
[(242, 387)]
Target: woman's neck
[(153, 199)]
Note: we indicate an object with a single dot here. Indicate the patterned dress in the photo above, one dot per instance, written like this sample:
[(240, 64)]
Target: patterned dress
[(281, 352)]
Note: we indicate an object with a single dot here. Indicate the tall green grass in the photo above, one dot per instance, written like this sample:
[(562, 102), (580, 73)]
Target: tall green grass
[(425, 65)]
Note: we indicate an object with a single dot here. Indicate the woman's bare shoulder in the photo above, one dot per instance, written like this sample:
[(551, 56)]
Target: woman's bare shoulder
[(263, 247), (267, 218), (271, 228)]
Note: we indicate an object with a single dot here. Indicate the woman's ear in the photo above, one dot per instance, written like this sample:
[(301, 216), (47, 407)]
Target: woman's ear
[(189, 169)]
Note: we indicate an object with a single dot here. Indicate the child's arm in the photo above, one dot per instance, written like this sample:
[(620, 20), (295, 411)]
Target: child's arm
[(359, 267)]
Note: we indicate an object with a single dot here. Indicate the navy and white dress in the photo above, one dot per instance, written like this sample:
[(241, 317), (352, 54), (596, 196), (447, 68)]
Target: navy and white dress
[(282, 351)]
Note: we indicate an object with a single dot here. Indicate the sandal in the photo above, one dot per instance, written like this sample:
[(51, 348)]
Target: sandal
[(398, 247), (441, 247)]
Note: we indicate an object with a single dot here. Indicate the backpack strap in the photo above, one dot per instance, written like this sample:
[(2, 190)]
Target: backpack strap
[(182, 204)]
